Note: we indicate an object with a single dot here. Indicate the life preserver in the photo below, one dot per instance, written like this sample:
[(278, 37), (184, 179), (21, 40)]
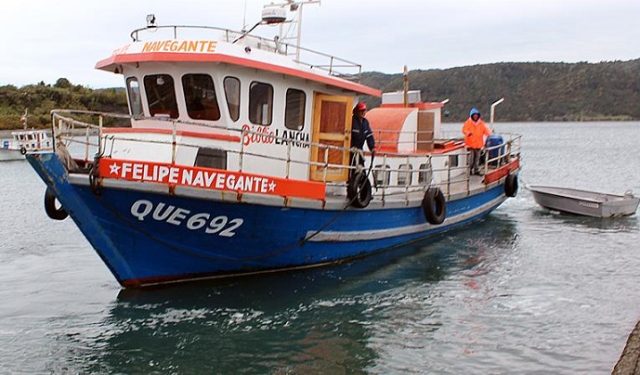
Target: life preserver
[(511, 185), (50, 206), (359, 190), (434, 206)]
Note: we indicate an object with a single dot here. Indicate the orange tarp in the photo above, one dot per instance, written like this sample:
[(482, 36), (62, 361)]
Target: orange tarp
[(386, 124)]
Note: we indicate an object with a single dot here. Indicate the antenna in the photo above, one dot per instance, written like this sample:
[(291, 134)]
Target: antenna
[(244, 17), (295, 24), (271, 15)]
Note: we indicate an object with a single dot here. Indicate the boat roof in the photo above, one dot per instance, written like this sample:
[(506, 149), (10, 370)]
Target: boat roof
[(578, 194), (250, 52)]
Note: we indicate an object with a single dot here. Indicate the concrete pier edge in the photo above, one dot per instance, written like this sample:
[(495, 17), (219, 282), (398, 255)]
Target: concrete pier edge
[(628, 362)]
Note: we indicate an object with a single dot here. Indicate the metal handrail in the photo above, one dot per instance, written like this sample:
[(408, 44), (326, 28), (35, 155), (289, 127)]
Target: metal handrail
[(272, 45), (507, 150)]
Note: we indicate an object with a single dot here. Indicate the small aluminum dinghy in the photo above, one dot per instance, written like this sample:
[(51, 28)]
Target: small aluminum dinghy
[(582, 202)]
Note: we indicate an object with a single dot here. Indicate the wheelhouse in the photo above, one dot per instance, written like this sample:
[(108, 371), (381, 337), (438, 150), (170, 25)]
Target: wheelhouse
[(234, 97)]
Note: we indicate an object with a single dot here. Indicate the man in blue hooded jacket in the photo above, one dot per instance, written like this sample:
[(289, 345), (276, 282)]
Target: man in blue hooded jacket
[(361, 132)]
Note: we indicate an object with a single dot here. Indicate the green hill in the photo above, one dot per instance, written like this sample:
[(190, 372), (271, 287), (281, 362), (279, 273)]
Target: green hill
[(41, 98), (533, 91)]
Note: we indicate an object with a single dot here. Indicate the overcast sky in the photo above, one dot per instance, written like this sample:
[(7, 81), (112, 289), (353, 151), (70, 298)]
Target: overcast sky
[(43, 40)]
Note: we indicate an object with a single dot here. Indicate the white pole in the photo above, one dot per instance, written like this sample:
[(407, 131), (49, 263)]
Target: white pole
[(301, 5), (493, 109), (299, 32)]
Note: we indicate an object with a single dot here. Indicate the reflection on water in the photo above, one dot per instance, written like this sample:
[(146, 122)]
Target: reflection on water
[(322, 320), (586, 223)]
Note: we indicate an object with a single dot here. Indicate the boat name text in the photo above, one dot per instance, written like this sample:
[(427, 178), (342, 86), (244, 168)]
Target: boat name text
[(262, 134), (191, 177), (220, 225), (588, 204), (190, 46), (208, 178)]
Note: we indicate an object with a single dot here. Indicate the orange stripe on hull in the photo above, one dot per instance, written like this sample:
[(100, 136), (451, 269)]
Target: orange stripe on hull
[(501, 172)]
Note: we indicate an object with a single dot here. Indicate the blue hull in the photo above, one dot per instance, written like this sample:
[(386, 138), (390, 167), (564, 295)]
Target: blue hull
[(148, 238)]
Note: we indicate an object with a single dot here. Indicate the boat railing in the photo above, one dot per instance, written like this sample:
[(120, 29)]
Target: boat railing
[(434, 170), (310, 58)]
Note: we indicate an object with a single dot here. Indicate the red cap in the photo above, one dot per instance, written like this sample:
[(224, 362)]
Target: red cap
[(361, 106)]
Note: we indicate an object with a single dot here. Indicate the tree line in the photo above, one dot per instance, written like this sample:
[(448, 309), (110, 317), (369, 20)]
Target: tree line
[(39, 99), (534, 91)]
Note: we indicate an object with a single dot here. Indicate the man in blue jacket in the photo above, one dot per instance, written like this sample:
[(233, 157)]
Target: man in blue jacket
[(361, 132)]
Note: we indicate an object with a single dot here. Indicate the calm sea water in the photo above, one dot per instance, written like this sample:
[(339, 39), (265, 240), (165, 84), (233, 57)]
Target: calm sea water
[(524, 291)]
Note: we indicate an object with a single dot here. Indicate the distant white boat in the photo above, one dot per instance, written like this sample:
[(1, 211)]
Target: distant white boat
[(583, 202), (22, 141)]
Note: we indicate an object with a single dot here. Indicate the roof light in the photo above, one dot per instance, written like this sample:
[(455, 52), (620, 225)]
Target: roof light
[(151, 20)]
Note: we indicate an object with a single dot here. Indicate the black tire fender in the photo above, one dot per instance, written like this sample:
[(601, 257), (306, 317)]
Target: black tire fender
[(434, 206), (359, 190), (55, 213), (511, 185)]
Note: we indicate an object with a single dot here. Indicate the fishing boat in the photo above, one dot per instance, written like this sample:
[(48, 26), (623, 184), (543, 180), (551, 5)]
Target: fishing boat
[(235, 159), (584, 202), (22, 141)]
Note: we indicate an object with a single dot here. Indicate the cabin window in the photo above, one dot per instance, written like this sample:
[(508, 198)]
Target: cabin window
[(381, 175), (453, 161), (294, 109), (425, 174), (232, 93), (211, 158), (200, 96), (260, 103), (161, 95), (135, 101), (404, 174)]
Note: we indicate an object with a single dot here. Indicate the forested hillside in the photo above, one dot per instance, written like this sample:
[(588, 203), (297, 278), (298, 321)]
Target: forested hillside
[(41, 98), (533, 91)]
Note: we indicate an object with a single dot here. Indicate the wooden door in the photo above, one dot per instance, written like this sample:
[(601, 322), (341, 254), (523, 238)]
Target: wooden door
[(426, 123), (331, 126)]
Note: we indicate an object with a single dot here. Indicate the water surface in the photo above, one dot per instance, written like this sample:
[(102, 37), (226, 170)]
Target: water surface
[(525, 291)]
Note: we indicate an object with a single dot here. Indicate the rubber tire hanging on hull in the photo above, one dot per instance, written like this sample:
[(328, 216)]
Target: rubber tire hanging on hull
[(359, 190), (434, 206), (511, 185), (50, 206)]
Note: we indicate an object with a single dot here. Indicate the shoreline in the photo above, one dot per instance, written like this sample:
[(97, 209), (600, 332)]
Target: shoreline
[(629, 359)]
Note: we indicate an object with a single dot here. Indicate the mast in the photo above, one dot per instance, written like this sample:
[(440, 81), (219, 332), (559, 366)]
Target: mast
[(293, 34)]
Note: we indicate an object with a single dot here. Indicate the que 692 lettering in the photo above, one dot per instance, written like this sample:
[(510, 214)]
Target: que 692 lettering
[(221, 225)]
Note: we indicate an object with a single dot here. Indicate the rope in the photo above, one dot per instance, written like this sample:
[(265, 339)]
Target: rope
[(337, 215)]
